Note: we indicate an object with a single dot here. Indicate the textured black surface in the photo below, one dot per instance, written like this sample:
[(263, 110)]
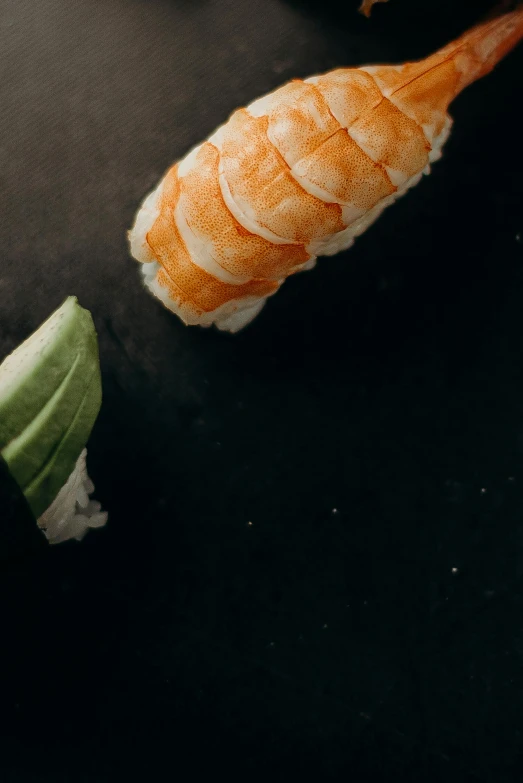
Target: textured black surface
[(369, 424)]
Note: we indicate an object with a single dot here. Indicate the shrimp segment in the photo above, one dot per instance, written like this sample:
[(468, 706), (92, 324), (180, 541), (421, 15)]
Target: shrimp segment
[(234, 248), (262, 185), (299, 120), (321, 155), (392, 139), (194, 291), (299, 173), (341, 168), (349, 94)]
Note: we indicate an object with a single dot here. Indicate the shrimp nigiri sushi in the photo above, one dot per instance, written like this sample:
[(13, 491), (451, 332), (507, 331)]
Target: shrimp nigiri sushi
[(50, 396), (300, 173)]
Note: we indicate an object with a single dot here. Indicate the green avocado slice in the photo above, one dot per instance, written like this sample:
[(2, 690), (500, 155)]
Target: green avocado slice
[(33, 372), (29, 451), (50, 396), (43, 489)]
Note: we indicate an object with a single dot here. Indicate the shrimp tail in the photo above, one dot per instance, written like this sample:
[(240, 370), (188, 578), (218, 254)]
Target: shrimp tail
[(478, 51), (431, 85)]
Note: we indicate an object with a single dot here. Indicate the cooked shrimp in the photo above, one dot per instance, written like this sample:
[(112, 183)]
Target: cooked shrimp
[(298, 174)]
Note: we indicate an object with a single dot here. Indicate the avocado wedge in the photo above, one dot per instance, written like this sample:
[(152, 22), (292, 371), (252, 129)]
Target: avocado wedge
[(50, 395), (43, 489), (32, 373)]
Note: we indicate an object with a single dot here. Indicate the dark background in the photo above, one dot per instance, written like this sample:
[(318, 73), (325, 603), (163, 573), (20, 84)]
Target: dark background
[(369, 424)]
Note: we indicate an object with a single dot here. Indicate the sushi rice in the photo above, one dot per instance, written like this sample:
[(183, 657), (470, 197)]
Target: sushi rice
[(72, 513)]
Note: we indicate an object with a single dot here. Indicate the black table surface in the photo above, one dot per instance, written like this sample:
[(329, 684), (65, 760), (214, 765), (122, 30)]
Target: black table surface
[(314, 558)]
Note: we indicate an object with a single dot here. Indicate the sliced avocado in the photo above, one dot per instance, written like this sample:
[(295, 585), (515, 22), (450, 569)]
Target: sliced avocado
[(33, 372), (43, 489), (28, 452), (50, 395)]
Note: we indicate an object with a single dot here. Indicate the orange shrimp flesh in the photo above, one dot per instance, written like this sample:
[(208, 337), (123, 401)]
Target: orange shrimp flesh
[(300, 173)]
